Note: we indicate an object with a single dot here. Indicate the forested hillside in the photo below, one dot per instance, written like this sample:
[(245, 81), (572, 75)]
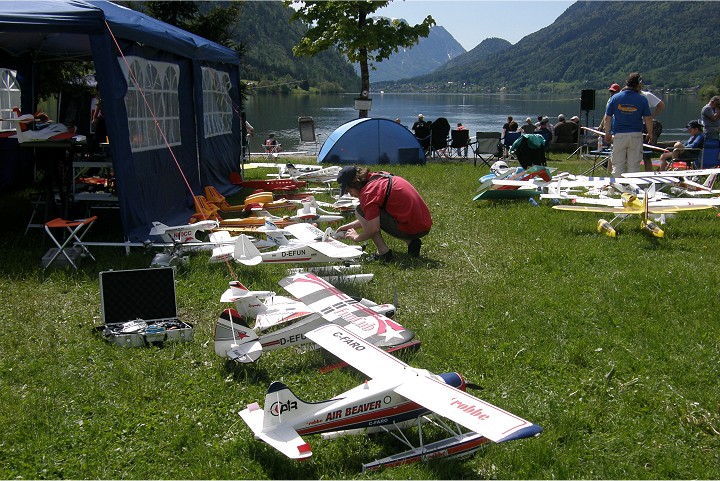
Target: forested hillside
[(673, 44), (268, 35)]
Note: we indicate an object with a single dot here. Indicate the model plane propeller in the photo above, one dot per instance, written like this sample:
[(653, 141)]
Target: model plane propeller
[(397, 396)]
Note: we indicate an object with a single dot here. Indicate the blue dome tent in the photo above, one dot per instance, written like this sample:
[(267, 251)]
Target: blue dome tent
[(371, 141)]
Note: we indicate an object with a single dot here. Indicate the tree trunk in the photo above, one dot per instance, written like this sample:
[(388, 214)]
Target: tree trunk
[(364, 81)]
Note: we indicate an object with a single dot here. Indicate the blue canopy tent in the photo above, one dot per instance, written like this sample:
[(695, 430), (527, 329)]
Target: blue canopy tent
[(189, 83), (371, 141)]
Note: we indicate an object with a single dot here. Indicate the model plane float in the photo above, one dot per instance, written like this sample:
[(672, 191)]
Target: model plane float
[(317, 303), (630, 204), (396, 397), (310, 245)]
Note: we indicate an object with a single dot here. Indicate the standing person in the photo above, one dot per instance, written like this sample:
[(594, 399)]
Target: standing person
[(656, 106), (612, 90), (710, 117), (387, 203), (421, 129), (624, 116), (506, 126), (460, 126)]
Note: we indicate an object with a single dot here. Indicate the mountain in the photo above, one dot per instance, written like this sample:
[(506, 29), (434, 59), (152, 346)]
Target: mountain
[(486, 48), (427, 55), (593, 44)]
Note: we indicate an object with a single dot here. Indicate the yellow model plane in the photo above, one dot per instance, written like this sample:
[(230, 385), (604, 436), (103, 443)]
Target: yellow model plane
[(630, 204)]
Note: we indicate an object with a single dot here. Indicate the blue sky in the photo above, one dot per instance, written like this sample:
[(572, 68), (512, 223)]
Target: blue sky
[(472, 21)]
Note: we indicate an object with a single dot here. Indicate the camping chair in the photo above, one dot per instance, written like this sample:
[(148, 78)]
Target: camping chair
[(423, 135), (439, 133), (271, 150), (710, 157), (509, 140), (306, 126), (76, 230), (460, 139), (487, 146)]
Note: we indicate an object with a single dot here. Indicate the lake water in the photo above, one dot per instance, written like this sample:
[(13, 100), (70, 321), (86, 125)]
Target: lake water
[(478, 112)]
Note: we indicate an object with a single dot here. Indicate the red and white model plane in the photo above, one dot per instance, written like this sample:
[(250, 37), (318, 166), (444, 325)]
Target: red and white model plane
[(318, 303), (397, 396)]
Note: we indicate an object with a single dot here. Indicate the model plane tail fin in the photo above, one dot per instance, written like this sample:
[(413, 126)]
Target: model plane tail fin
[(234, 339), (283, 407), (274, 233), (245, 252), (281, 437), (248, 303)]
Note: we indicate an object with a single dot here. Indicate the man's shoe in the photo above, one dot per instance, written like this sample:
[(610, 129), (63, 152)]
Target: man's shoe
[(414, 248), (384, 258)]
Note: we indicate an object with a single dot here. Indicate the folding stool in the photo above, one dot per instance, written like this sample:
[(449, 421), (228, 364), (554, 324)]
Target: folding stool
[(76, 231)]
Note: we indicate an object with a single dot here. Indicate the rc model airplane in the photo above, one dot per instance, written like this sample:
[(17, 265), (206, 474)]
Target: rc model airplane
[(397, 396), (310, 245), (317, 304), (630, 204)]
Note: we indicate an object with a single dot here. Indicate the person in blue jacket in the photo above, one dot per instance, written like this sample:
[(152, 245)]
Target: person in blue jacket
[(625, 114), (689, 150)]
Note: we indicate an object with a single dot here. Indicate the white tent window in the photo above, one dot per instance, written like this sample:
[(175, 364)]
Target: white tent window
[(158, 82), (217, 107), (9, 96)]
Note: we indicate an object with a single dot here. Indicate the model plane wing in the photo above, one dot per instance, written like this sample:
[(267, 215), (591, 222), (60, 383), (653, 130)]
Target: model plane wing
[(598, 208), (423, 387), (338, 308), (337, 249)]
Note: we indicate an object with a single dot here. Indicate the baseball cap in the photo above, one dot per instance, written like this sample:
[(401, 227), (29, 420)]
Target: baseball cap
[(693, 124), (346, 175), (614, 88)]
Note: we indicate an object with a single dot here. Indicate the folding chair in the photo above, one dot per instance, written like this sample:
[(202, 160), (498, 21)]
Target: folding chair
[(486, 146), (710, 157), (510, 138), (306, 126), (76, 230), (439, 133), (459, 140)]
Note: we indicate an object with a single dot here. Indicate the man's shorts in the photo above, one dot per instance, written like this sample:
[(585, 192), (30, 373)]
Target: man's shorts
[(389, 225)]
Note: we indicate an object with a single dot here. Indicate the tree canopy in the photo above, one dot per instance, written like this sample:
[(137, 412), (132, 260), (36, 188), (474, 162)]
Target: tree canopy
[(350, 27)]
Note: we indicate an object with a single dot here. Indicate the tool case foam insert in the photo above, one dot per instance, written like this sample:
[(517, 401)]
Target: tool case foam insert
[(139, 307)]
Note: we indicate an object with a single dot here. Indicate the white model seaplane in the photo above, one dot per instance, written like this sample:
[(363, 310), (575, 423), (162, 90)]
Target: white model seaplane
[(398, 396), (630, 204), (320, 176), (310, 245), (318, 303)]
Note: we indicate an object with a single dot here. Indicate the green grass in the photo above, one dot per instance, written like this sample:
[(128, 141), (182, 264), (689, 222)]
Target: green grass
[(611, 345)]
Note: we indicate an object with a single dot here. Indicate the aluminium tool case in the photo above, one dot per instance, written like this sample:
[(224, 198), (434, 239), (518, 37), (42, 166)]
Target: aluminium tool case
[(139, 307)]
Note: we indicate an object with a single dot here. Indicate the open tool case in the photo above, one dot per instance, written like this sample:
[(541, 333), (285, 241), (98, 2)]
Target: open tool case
[(139, 307)]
